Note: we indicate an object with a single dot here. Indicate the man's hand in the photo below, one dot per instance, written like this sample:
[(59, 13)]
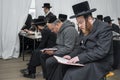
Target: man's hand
[(49, 52), (67, 57), (26, 30), (30, 32), (74, 60)]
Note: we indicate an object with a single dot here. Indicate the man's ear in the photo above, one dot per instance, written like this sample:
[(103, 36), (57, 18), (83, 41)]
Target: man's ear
[(57, 24)]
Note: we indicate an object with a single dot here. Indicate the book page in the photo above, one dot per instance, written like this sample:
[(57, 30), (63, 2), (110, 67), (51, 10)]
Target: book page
[(53, 49), (65, 61)]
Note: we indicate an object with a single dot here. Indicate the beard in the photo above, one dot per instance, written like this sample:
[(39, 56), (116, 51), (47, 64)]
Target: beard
[(88, 26)]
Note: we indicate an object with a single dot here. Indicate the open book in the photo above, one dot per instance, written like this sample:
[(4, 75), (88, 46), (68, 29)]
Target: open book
[(53, 49), (65, 61)]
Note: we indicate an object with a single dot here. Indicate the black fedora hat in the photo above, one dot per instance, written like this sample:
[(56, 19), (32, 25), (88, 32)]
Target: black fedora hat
[(47, 5), (108, 19), (40, 21), (52, 19), (41, 17), (34, 20), (82, 9), (100, 17), (62, 17)]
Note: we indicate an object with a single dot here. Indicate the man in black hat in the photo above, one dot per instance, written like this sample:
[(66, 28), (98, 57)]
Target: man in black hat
[(100, 17), (62, 17), (27, 27), (48, 40), (67, 40), (47, 7), (95, 48), (119, 22), (28, 22), (115, 27)]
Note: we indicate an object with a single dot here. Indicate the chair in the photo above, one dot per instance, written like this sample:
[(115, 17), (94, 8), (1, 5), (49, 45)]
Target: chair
[(109, 74)]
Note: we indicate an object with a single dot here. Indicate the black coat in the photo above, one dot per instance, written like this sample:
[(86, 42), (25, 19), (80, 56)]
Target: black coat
[(28, 22), (48, 16), (48, 39), (115, 28), (95, 51)]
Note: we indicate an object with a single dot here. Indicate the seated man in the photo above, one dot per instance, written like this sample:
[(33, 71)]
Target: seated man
[(115, 27), (48, 40), (119, 22), (95, 49), (25, 28), (67, 41), (28, 22)]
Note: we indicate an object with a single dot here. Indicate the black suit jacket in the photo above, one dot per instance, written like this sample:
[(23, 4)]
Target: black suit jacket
[(28, 22), (115, 28), (48, 39), (48, 16)]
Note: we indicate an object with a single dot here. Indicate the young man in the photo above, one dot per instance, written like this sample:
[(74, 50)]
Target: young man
[(67, 41), (48, 40), (95, 49), (115, 27), (47, 12)]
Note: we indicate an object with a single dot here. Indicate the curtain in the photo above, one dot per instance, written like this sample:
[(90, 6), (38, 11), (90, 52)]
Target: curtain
[(104, 7), (13, 14)]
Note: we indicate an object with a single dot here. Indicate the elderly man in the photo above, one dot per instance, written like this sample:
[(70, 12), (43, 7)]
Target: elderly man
[(67, 41)]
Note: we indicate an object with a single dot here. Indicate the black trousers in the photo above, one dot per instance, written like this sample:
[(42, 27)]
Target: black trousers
[(43, 59), (34, 61), (28, 43), (51, 66), (55, 71), (116, 54)]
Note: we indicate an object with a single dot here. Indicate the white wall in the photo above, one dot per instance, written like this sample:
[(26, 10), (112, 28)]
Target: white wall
[(104, 7)]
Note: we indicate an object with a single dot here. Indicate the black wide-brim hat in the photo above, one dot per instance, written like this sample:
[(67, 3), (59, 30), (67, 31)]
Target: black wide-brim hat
[(40, 21), (82, 9), (108, 19), (52, 19), (62, 17), (118, 18), (47, 5), (100, 17)]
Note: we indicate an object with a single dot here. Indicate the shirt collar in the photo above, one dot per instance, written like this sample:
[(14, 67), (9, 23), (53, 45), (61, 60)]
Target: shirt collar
[(47, 13)]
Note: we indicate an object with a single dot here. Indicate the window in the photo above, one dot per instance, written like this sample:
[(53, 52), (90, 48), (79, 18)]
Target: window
[(32, 10)]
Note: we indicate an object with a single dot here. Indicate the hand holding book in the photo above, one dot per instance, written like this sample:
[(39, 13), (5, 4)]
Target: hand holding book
[(49, 51), (67, 62), (74, 60), (67, 57)]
